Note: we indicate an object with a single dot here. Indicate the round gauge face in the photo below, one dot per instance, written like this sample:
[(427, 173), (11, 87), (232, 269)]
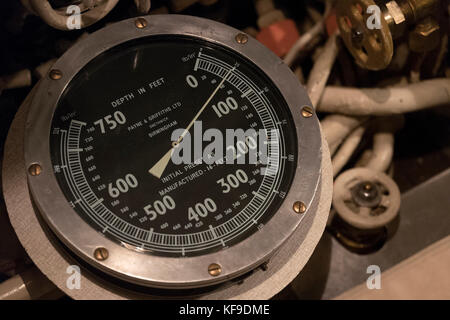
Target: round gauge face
[(173, 146)]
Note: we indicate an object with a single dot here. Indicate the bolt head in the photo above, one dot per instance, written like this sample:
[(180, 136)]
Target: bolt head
[(241, 38), (214, 269), (140, 23), (55, 74), (307, 112), (35, 169), (366, 194), (357, 36), (299, 207), (101, 254)]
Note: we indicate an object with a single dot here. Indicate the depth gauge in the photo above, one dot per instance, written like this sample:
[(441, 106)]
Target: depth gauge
[(100, 152)]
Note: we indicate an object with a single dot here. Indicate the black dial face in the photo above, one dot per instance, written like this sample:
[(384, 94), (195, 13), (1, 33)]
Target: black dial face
[(173, 146)]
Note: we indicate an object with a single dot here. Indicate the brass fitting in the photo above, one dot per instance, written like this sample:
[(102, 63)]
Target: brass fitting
[(401, 14), (425, 36)]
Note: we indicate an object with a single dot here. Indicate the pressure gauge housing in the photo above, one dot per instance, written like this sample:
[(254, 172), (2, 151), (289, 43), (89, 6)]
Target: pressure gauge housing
[(100, 148)]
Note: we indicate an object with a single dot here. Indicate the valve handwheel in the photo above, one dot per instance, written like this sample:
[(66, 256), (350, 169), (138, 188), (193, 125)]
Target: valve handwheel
[(372, 48), (58, 18)]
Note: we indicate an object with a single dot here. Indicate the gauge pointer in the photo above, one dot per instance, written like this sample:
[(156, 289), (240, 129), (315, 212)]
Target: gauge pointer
[(158, 169)]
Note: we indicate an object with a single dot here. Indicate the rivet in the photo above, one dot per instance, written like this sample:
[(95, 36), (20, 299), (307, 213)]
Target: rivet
[(299, 207), (140, 23), (214, 269), (368, 187), (35, 169), (101, 254), (55, 74), (241, 38), (307, 112)]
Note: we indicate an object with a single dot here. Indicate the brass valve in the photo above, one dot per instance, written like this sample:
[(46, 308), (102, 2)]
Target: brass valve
[(372, 46)]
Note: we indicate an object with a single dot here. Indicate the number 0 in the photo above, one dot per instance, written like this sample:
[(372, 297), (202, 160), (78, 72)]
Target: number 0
[(192, 81)]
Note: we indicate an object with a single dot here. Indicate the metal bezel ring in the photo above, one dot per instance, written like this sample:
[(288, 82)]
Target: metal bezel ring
[(157, 271)]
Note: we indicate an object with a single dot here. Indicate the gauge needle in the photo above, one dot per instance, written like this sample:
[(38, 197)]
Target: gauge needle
[(158, 169)]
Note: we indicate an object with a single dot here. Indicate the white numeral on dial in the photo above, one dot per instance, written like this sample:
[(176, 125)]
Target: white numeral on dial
[(224, 107), (192, 81), (159, 207), (201, 209), (122, 185), (233, 180), (111, 120)]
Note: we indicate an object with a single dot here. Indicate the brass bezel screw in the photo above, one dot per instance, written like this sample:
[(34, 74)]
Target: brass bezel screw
[(299, 207), (214, 269), (241, 38), (307, 112), (101, 254), (35, 169), (55, 74), (140, 23)]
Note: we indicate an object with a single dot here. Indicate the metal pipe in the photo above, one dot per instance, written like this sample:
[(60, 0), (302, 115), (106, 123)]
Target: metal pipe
[(321, 71), (386, 101), (337, 127), (383, 143), (307, 37), (347, 149), (143, 6), (302, 42), (31, 284), (19, 79), (383, 151), (422, 8)]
